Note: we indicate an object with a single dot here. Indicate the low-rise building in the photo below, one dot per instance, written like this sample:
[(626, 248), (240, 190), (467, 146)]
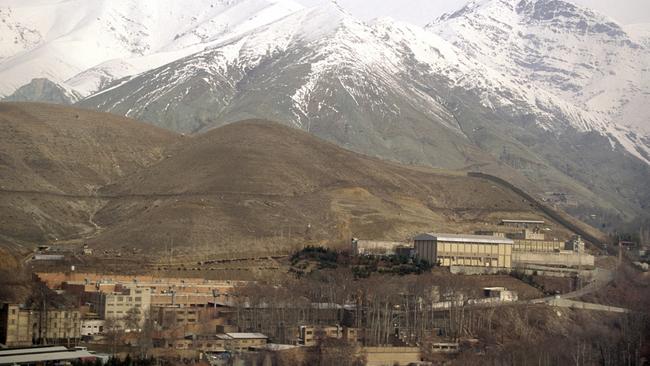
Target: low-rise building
[(527, 234), (237, 342), (125, 302), (310, 335), (500, 294), (465, 250), (537, 246), (173, 316), (92, 327), (576, 244), (563, 258), (522, 224), (22, 326)]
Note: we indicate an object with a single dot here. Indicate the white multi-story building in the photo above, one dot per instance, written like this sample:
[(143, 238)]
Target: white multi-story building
[(90, 327), (124, 301)]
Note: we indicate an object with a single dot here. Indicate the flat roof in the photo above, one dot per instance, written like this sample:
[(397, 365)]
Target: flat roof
[(510, 221), (27, 350), (462, 238), (246, 335), (43, 357)]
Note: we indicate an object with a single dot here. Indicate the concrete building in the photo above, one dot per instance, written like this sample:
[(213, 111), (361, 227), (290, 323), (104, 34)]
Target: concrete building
[(562, 258), (490, 233), (117, 305), (23, 326), (465, 250), (17, 326), (91, 327), (377, 248), (224, 342), (527, 234), (576, 244), (522, 224), (48, 257), (500, 294), (537, 246), (173, 316), (310, 335), (237, 342)]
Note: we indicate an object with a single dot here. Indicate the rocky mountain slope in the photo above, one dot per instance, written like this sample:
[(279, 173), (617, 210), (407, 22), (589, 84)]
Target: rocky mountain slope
[(45, 91), (544, 92), (250, 186), (564, 49), (393, 90), (53, 159)]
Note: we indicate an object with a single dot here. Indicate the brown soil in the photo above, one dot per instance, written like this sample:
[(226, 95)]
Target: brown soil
[(246, 189)]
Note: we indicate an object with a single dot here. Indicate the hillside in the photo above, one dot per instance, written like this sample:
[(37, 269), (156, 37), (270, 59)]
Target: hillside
[(254, 187), (46, 147), (419, 96), (52, 159), (257, 182), (544, 92)]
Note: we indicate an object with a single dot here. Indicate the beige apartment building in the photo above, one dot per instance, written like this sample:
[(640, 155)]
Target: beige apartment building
[(118, 304), (310, 335), (22, 326), (465, 250)]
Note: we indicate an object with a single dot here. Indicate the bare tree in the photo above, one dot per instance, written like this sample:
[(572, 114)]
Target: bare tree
[(113, 333), (145, 340), (133, 319)]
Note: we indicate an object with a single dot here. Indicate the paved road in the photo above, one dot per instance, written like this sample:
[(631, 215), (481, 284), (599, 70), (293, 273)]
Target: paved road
[(602, 277)]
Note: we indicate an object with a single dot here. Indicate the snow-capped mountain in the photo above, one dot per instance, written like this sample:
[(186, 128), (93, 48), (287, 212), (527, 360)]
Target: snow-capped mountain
[(88, 44), (551, 90), (566, 50)]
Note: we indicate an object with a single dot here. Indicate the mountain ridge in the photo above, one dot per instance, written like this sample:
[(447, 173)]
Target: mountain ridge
[(400, 92), (248, 187)]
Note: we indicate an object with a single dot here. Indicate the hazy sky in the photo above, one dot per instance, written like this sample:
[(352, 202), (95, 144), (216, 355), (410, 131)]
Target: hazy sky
[(424, 11)]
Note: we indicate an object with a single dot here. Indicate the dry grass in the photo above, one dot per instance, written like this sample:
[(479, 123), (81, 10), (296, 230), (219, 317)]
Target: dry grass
[(247, 187)]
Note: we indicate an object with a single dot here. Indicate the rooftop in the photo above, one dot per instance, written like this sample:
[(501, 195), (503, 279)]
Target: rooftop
[(462, 238), (509, 221), (41, 355), (246, 336)]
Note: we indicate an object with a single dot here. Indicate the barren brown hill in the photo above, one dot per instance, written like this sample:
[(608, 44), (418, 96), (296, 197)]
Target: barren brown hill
[(47, 147), (52, 160), (258, 187), (249, 188)]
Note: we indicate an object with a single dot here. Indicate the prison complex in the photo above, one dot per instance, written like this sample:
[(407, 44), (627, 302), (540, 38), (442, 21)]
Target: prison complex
[(465, 250)]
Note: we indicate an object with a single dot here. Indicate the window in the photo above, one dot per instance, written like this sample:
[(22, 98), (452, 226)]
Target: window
[(138, 299), (120, 298)]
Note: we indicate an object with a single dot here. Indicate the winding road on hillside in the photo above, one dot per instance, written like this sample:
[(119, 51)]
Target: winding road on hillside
[(602, 277)]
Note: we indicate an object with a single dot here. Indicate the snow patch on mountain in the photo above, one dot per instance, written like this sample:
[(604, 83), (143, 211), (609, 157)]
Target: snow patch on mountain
[(565, 57), (90, 43)]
